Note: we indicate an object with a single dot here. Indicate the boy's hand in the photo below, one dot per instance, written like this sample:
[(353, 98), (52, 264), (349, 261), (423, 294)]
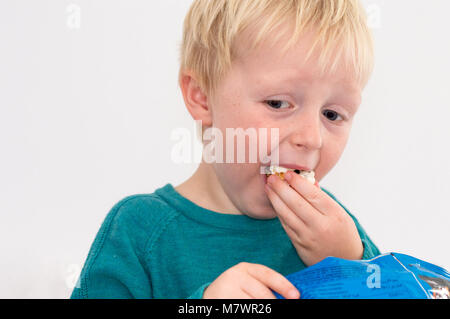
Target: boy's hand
[(317, 226), (250, 281)]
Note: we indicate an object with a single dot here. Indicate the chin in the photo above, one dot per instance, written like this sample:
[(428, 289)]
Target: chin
[(262, 212)]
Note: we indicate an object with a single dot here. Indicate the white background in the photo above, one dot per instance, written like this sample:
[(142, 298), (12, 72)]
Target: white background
[(87, 111)]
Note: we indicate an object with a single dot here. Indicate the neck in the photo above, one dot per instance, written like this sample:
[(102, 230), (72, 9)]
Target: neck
[(204, 189)]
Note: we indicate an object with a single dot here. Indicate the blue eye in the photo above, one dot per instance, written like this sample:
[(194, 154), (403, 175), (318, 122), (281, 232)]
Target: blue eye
[(276, 104), (331, 115)]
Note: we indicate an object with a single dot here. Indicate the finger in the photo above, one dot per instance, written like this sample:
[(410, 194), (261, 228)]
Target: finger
[(255, 289), (293, 234), (297, 231), (295, 201), (274, 280), (317, 198), (284, 213)]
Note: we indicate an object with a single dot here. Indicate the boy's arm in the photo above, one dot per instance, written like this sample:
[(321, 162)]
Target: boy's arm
[(370, 249), (114, 267)]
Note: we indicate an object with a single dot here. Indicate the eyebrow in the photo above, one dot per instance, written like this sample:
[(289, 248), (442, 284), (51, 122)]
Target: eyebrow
[(288, 81)]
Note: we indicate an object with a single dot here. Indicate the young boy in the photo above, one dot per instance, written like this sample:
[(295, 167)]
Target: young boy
[(228, 231)]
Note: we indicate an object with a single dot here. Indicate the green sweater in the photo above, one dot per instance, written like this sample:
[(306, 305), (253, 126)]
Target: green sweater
[(162, 245)]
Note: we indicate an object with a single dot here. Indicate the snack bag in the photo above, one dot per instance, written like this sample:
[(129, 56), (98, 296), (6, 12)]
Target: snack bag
[(387, 276)]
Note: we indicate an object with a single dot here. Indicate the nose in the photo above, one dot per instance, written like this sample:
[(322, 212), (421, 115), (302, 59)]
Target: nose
[(306, 130)]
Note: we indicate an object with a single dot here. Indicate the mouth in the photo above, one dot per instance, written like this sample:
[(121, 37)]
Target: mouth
[(281, 170)]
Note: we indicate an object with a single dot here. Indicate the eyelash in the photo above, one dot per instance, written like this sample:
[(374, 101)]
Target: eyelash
[(267, 102)]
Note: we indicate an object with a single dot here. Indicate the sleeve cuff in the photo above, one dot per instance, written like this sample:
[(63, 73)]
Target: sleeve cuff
[(198, 294)]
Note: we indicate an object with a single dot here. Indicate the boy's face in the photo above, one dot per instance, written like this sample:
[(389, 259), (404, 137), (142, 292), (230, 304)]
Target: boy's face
[(313, 114)]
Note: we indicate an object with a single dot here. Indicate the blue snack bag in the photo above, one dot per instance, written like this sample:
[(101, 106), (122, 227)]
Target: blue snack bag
[(387, 276)]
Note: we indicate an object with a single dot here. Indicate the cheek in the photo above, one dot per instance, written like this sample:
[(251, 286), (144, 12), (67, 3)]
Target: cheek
[(238, 116), (239, 181), (235, 116), (234, 109), (330, 154)]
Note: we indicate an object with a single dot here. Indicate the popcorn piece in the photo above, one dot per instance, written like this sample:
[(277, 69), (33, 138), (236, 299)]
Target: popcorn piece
[(280, 171)]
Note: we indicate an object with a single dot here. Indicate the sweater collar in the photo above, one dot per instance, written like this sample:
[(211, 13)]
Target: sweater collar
[(220, 220)]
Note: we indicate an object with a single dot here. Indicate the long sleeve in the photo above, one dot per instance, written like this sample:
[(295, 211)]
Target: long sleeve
[(115, 267)]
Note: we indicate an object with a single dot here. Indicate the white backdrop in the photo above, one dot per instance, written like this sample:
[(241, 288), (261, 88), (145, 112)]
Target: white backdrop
[(89, 98)]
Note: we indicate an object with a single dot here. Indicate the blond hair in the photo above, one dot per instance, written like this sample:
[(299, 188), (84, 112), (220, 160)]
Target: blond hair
[(211, 28)]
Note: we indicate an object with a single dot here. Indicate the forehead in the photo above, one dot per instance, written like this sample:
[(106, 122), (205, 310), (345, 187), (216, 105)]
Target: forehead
[(268, 64)]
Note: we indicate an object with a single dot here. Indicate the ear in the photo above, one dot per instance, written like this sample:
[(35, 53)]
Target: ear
[(195, 99)]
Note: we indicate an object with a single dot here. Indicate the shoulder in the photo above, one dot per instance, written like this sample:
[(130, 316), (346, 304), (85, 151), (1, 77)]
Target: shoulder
[(147, 209), (137, 218), (144, 210), (119, 248)]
